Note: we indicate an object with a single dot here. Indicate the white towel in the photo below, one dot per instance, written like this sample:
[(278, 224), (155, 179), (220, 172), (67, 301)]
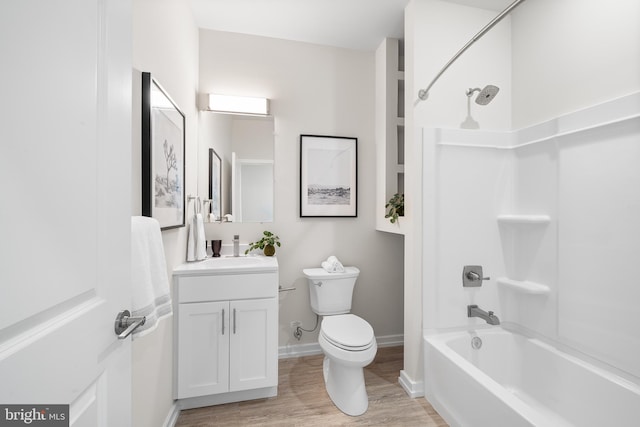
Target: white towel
[(333, 265), (201, 240), (191, 241), (149, 281), (196, 240)]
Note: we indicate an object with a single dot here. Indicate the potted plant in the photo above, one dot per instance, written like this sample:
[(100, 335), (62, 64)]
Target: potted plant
[(395, 206), (267, 243)]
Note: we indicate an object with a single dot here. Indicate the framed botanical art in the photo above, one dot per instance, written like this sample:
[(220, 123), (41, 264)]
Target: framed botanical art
[(215, 183), (163, 147), (328, 176)]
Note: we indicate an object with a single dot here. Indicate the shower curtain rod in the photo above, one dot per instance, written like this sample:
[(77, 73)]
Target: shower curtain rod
[(423, 94)]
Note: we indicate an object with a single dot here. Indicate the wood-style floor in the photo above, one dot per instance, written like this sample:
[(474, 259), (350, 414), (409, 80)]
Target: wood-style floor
[(303, 401)]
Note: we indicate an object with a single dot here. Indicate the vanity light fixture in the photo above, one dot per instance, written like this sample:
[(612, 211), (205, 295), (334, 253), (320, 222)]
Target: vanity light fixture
[(238, 104)]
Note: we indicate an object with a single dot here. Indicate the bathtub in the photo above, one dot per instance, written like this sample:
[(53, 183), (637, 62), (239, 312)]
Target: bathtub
[(513, 380)]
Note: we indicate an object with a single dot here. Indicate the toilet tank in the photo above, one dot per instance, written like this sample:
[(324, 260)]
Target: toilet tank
[(331, 293)]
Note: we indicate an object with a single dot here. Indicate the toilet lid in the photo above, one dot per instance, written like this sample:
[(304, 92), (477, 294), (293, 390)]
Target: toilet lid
[(347, 331)]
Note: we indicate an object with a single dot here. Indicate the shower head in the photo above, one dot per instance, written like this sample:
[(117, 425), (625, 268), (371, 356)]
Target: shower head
[(486, 95)]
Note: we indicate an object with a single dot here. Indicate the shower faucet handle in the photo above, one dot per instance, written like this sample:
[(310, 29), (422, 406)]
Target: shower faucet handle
[(472, 276)]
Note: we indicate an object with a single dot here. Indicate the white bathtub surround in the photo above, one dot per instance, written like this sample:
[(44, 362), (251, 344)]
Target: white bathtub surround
[(554, 222), (514, 380)]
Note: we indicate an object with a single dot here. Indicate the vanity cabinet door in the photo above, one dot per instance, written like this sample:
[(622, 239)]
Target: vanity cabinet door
[(254, 344), (203, 348)]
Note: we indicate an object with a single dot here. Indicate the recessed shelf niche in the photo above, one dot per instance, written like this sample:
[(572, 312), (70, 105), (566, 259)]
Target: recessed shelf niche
[(390, 132)]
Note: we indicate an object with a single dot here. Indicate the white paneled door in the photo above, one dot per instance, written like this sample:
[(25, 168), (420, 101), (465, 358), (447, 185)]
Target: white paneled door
[(65, 142)]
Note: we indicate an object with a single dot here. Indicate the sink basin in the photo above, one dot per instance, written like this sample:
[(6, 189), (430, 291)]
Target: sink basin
[(229, 264)]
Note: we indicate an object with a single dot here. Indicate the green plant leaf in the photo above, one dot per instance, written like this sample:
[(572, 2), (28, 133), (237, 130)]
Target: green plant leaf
[(395, 205)]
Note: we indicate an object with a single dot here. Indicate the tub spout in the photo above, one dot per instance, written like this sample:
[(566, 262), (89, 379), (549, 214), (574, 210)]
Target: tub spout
[(489, 317)]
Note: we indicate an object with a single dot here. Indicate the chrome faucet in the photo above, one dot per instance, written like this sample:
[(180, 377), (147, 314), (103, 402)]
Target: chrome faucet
[(475, 311)]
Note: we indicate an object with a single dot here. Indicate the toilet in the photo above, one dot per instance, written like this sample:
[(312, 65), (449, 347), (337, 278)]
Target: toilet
[(347, 341)]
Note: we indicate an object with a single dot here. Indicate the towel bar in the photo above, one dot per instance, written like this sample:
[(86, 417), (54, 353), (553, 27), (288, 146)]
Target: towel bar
[(281, 289), (197, 204)]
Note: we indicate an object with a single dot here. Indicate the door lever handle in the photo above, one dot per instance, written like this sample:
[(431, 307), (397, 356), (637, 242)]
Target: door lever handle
[(125, 324)]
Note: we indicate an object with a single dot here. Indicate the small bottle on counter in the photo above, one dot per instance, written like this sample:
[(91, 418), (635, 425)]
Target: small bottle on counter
[(236, 245)]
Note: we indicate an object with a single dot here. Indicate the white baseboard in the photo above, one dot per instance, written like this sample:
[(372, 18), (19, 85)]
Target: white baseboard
[(222, 398), (298, 350), (312, 349), (411, 387), (172, 416), (390, 340)]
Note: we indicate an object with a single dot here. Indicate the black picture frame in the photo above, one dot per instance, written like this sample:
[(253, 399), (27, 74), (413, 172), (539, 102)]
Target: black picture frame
[(215, 184), (163, 156), (328, 176)]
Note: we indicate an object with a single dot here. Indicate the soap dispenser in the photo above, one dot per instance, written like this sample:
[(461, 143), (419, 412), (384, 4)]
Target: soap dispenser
[(236, 245)]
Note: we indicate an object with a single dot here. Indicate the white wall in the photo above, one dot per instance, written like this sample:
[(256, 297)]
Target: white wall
[(411, 375), (440, 29), (165, 43), (571, 54), (313, 90)]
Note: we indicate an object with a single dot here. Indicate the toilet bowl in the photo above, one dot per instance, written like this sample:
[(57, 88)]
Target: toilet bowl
[(348, 345), (347, 341)]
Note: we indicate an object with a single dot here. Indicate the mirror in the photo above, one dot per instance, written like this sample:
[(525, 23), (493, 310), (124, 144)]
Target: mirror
[(235, 166)]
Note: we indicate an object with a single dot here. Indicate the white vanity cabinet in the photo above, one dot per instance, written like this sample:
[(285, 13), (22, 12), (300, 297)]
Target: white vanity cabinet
[(225, 334)]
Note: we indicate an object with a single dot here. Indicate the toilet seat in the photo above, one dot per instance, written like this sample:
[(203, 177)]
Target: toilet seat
[(348, 332)]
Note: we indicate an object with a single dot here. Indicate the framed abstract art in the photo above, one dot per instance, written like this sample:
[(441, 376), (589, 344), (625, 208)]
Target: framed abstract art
[(163, 159), (328, 176)]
